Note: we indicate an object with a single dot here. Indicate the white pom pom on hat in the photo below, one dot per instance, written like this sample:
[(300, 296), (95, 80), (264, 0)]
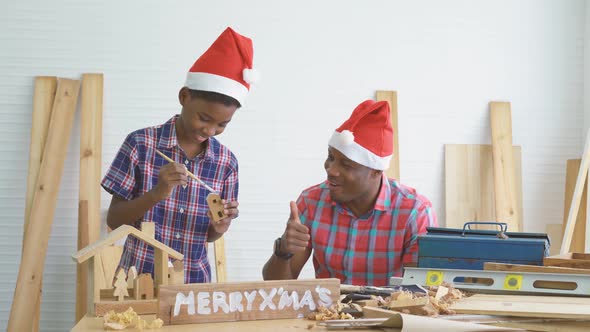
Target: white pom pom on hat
[(251, 76)]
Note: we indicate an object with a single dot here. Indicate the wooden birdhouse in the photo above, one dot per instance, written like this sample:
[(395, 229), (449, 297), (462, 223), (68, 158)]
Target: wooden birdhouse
[(144, 302)]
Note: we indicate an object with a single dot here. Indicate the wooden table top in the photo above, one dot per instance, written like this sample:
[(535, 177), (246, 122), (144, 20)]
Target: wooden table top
[(93, 324)]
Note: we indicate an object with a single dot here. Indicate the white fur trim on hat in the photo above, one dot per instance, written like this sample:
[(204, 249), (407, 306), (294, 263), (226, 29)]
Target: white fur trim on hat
[(357, 153), (216, 83), (251, 76)]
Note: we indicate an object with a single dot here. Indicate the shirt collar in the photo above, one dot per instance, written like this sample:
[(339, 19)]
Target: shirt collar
[(169, 140)]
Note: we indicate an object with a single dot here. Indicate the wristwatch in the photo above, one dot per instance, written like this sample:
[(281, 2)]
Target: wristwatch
[(278, 253)]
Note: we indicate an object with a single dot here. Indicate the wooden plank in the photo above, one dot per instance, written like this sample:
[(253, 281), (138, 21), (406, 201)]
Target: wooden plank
[(505, 189), (532, 268), (82, 269), (571, 260), (142, 307), (118, 234), (579, 235), (160, 268), (176, 273), (469, 184), (572, 215), (91, 105), (220, 262), (391, 97), (524, 306), (107, 263), (43, 98), (149, 228), (555, 233), (28, 286), (217, 302)]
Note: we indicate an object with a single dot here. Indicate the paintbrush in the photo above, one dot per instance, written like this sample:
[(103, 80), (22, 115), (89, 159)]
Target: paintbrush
[(213, 199)]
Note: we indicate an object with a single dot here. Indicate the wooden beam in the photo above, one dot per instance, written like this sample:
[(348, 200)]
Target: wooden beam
[(141, 307), (82, 269), (568, 231), (28, 285), (43, 99), (489, 266), (220, 262), (505, 196), (91, 105), (160, 268), (579, 235), (391, 97)]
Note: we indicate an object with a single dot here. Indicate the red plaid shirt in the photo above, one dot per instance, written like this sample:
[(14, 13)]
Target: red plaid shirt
[(181, 220), (370, 249)]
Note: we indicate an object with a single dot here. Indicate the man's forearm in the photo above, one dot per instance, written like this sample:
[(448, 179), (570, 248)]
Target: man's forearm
[(277, 269), (124, 212)]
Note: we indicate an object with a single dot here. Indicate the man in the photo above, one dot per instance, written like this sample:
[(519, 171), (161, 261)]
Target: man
[(361, 226), (147, 188)]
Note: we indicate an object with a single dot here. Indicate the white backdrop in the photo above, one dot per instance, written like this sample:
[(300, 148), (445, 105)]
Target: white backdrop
[(318, 59)]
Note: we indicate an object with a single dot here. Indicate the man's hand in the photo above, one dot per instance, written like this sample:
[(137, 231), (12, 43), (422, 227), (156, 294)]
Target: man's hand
[(170, 176), (296, 236), (230, 209)]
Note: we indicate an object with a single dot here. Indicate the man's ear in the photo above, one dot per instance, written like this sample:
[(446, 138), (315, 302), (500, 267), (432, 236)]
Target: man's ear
[(376, 174), (183, 95)]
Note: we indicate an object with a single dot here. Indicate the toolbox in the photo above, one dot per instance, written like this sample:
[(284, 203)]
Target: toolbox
[(454, 248)]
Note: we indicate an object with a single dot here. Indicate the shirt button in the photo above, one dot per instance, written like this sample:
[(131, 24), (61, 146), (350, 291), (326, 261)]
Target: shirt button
[(178, 235), (186, 161), (181, 210)]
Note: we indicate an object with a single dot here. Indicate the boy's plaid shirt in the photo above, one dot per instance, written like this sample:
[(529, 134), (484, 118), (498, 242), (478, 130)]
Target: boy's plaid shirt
[(181, 220)]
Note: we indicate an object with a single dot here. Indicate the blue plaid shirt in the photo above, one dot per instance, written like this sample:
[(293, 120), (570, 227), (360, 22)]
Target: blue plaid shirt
[(181, 220)]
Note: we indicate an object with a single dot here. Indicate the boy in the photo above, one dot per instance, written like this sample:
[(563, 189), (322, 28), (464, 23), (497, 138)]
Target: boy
[(147, 188)]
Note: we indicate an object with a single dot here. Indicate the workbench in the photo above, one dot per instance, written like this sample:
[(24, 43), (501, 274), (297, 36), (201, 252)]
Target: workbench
[(93, 324)]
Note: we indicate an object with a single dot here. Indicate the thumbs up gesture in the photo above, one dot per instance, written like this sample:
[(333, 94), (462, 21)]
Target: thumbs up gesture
[(296, 236)]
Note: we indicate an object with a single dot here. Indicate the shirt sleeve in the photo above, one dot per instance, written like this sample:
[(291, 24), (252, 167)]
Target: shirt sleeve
[(120, 179), (421, 217), (231, 184)]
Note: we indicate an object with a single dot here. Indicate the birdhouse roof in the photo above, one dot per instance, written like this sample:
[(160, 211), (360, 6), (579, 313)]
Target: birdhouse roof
[(118, 234)]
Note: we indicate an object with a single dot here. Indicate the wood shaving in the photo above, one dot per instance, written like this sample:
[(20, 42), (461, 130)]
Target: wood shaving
[(129, 319)]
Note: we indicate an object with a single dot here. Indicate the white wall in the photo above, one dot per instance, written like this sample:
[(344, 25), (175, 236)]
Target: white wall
[(319, 59)]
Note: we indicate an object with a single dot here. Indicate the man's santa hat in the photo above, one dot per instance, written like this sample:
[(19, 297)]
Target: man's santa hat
[(367, 136), (226, 67)]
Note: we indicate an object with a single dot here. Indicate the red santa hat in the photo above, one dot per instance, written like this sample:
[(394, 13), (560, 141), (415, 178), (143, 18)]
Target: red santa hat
[(226, 67), (367, 136)]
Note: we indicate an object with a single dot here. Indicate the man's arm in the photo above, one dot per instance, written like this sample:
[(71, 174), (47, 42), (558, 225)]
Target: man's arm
[(127, 212), (277, 268), (295, 240)]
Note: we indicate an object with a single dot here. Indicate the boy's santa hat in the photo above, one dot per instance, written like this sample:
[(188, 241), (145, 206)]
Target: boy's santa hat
[(367, 136), (226, 67)]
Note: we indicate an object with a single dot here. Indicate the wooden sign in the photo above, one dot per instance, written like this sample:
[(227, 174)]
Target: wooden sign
[(221, 302)]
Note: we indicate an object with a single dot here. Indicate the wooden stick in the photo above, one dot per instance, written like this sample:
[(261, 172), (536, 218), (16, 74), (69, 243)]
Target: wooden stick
[(90, 172), (391, 97), (43, 99), (504, 173), (189, 173), (579, 233), (28, 284), (573, 214), (220, 262)]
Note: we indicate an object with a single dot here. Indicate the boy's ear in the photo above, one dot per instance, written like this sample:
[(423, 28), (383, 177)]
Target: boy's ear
[(183, 95)]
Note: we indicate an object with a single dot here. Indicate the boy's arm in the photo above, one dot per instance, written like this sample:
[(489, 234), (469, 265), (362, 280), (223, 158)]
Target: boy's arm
[(127, 212)]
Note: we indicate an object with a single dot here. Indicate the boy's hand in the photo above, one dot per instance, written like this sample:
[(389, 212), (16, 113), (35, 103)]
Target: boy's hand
[(170, 176), (230, 209)]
